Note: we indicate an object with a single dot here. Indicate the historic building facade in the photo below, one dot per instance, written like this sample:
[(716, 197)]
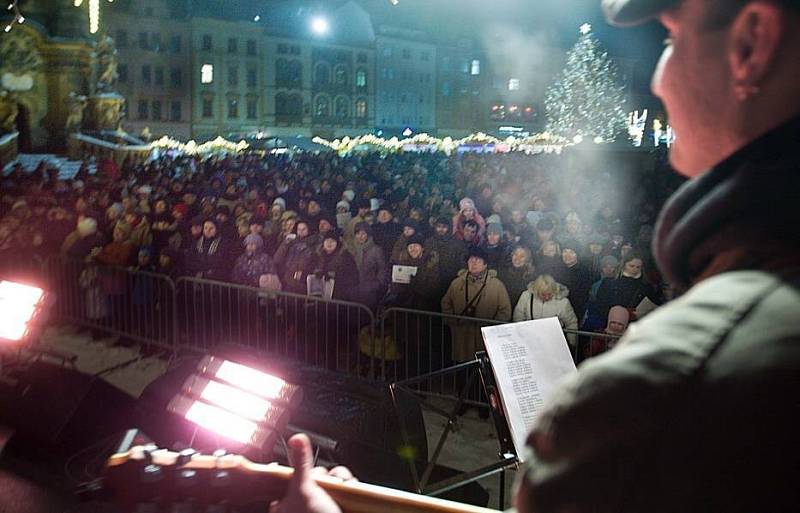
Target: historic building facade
[(405, 66)]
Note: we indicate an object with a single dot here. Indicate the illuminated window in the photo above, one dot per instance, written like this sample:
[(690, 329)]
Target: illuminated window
[(513, 84), (207, 73), (476, 67), (361, 78), (361, 108)]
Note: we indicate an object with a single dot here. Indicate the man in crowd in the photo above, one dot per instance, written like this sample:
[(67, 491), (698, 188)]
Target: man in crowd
[(693, 410)]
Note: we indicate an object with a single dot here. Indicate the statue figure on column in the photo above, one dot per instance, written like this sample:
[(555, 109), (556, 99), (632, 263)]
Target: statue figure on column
[(76, 104), (8, 112), (106, 54)]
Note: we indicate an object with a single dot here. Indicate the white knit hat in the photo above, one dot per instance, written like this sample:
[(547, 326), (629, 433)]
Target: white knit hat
[(87, 226)]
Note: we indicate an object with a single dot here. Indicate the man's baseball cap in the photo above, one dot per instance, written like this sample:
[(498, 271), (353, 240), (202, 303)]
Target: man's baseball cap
[(627, 13)]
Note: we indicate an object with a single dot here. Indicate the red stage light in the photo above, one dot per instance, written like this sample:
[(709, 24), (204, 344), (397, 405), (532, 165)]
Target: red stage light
[(19, 304)]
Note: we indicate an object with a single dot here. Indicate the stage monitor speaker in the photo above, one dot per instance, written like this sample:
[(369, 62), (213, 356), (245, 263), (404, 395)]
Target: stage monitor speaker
[(57, 406)]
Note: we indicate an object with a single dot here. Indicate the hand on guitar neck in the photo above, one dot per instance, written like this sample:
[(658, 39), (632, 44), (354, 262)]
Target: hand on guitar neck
[(304, 495)]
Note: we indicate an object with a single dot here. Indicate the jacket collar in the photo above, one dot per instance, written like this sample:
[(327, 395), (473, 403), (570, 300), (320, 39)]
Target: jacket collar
[(741, 214)]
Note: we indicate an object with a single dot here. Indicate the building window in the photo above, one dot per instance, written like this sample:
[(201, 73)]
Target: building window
[(294, 50), (387, 51), (476, 67), (122, 71), (175, 109), (252, 78), (176, 44), (233, 108), (233, 45), (207, 73), (233, 76), (361, 108), (406, 53), (340, 75), (144, 109), (361, 58), (208, 108), (426, 56), (207, 43), (342, 107), (283, 49), (322, 73), (421, 99), (252, 108), (322, 106), (513, 84), (156, 110), (146, 74), (361, 78), (176, 77), (143, 40), (159, 75), (122, 39), (155, 42), (251, 47)]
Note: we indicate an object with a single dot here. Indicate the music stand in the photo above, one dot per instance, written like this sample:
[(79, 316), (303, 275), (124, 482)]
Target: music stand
[(481, 368)]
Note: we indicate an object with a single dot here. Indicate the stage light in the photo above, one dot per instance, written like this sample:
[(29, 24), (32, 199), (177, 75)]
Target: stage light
[(19, 306), (320, 26), (238, 402)]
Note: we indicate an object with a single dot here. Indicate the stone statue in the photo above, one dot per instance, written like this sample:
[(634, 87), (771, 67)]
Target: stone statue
[(8, 112), (76, 104), (106, 54), (111, 115)]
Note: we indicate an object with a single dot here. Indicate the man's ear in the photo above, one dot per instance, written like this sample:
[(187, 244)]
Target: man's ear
[(755, 35)]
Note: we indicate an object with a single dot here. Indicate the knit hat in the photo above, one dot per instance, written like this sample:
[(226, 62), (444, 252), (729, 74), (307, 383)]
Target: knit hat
[(466, 203), (411, 223), (494, 219), (144, 189), (609, 260), (478, 252), (363, 203), (495, 228), (117, 208), (363, 226), (343, 204), (545, 224), (289, 214), (417, 238), (596, 238), (349, 195), (570, 243), (374, 204), (19, 204), (146, 250), (443, 220), (181, 208), (87, 226), (281, 202), (257, 219), (254, 239), (197, 221)]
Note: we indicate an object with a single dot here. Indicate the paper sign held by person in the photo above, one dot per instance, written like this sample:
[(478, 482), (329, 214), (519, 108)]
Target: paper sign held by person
[(403, 273), (529, 360)]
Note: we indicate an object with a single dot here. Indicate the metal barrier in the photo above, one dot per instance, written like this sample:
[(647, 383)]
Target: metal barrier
[(312, 330), (134, 304), (412, 343)]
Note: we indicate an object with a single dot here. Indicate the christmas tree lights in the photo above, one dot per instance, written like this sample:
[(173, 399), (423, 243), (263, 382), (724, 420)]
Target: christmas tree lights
[(586, 101)]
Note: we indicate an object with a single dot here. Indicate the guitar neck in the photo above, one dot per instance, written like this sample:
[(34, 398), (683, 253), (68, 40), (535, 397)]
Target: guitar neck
[(351, 496)]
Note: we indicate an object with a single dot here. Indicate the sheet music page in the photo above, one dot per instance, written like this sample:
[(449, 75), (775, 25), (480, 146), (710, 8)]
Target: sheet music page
[(529, 359)]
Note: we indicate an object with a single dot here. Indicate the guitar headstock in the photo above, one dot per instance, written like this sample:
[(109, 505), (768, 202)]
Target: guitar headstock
[(162, 480)]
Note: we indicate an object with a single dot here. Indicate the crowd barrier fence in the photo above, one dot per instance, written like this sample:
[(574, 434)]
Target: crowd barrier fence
[(199, 315)]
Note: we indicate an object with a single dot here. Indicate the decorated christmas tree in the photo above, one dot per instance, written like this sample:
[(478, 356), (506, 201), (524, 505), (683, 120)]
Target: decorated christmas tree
[(587, 100)]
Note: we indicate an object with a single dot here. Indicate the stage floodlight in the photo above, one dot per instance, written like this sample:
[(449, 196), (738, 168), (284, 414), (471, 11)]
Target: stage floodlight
[(235, 401), (19, 306)]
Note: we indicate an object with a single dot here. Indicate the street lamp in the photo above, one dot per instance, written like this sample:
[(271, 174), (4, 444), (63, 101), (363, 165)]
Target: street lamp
[(320, 26)]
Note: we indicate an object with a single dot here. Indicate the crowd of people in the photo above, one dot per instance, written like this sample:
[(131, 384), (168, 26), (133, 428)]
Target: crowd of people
[(505, 237)]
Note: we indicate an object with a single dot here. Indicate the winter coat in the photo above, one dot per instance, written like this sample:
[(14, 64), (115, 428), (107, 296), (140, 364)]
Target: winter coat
[(420, 294), (339, 267), (452, 255), (373, 275), (248, 268), (578, 281), (385, 235), (489, 302), (694, 408), (530, 307), (294, 262), (516, 279), (208, 259)]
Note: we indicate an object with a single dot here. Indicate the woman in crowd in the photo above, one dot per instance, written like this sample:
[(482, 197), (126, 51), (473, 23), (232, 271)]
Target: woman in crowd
[(544, 298), (467, 212), (627, 290), (517, 273)]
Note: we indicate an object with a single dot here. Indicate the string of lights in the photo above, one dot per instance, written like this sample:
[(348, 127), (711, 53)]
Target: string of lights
[(18, 17)]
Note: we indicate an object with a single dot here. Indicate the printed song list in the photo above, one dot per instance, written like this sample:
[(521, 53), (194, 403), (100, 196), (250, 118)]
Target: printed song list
[(521, 375)]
